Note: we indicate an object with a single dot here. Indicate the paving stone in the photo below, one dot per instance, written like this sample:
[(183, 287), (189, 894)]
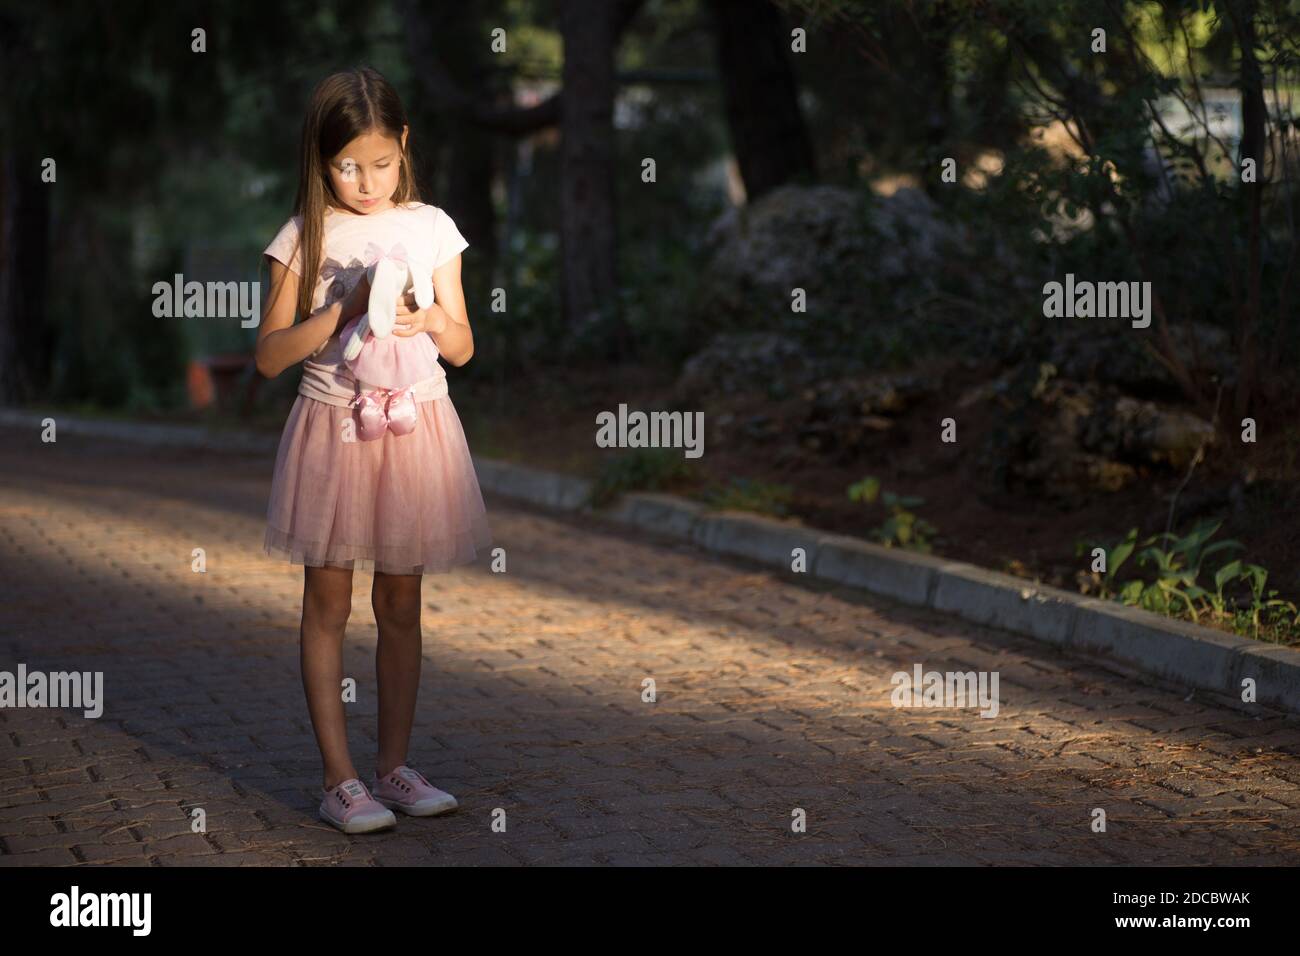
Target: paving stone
[(770, 696)]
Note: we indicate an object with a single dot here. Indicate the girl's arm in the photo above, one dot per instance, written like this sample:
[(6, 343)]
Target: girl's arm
[(456, 341), (280, 342)]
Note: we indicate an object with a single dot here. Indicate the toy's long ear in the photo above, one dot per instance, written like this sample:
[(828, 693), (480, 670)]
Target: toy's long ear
[(422, 283), (352, 348), (384, 290)]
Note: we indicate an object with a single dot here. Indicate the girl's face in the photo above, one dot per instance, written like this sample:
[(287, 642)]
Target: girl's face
[(364, 174)]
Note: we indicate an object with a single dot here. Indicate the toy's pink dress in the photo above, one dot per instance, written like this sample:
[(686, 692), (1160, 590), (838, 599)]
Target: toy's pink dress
[(405, 503)]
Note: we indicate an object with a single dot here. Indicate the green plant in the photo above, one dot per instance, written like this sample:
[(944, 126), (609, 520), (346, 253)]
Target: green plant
[(1264, 610), (902, 527), (1115, 558), (1176, 589), (642, 469), (745, 494)]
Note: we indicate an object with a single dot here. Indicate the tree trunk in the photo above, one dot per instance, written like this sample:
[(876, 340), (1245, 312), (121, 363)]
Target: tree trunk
[(588, 226), (1253, 119), (768, 133), (25, 342), (447, 93), (935, 66), (454, 155), (469, 190)]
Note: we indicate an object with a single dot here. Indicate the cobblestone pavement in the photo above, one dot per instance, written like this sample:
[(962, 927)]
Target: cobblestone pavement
[(772, 696)]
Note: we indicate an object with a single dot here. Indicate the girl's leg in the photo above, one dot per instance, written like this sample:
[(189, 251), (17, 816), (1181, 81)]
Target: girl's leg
[(326, 604), (396, 600)]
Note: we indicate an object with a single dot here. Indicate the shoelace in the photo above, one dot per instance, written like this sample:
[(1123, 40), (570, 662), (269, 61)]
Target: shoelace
[(401, 779)]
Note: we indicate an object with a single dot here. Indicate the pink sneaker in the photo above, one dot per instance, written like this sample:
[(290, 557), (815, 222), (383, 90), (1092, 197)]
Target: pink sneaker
[(406, 790), (352, 809)]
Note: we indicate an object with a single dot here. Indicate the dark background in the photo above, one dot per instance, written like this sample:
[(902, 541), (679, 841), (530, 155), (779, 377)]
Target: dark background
[(774, 171)]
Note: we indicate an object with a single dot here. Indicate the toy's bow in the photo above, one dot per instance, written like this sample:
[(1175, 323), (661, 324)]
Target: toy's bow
[(375, 252)]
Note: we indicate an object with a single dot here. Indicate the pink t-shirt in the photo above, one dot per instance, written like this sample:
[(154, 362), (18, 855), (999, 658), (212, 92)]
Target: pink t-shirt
[(427, 233)]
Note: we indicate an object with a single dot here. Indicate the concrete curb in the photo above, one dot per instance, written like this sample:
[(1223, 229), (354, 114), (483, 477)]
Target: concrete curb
[(1179, 651), (170, 436), (1175, 650)]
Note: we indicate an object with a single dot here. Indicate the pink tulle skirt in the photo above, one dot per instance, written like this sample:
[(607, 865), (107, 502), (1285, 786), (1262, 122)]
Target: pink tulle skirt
[(402, 504)]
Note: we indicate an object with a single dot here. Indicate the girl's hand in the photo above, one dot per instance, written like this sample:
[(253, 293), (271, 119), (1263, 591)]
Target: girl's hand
[(412, 320), (354, 303)]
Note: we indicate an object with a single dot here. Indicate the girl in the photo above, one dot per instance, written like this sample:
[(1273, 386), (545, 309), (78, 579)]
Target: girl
[(406, 500)]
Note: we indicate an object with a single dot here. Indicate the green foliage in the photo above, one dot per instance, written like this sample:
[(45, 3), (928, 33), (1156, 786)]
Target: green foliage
[(655, 274), (902, 528), (160, 157), (1142, 196), (745, 494), (639, 469), (197, 149), (527, 335), (1179, 585)]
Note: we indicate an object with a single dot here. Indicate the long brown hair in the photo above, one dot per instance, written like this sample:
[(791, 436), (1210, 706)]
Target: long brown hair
[(343, 106)]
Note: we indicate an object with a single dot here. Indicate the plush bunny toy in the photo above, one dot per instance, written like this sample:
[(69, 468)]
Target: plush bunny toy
[(389, 364)]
